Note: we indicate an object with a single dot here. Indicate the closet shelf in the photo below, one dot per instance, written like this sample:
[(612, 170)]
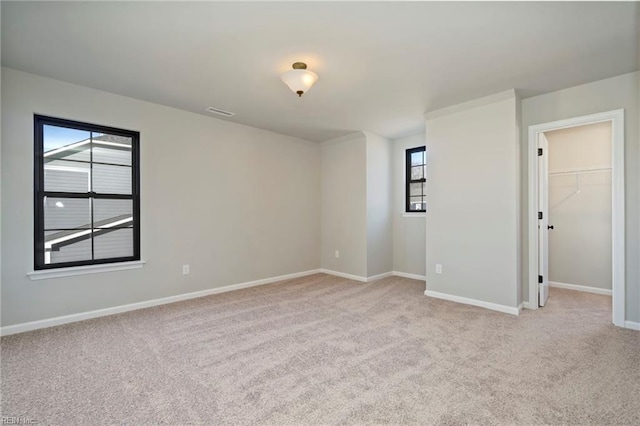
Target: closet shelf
[(576, 171)]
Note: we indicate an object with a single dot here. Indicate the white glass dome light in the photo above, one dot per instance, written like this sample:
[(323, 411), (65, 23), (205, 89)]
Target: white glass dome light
[(299, 79)]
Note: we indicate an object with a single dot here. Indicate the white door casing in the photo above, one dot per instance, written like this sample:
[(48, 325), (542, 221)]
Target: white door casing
[(617, 205)]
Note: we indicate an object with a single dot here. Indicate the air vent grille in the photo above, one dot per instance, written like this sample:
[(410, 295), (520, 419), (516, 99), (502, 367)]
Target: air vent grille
[(221, 112)]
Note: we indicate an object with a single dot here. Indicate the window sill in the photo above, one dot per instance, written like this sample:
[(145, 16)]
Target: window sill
[(421, 214), (46, 274)]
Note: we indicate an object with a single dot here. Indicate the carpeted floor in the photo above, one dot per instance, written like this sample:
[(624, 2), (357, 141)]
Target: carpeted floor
[(325, 350)]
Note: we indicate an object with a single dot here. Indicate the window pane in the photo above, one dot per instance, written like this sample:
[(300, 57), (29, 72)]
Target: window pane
[(76, 159), (111, 179), (60, 142), (417, 158), (66, 176), (107, 213), (415, 189), (66, 213), (118, 243), (416, 203), (69, 246), (417, 172), (111, 149)]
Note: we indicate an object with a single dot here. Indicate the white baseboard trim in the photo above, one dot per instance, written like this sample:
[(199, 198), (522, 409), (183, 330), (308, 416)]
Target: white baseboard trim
[(379, 276), (66, 319), (411, 276), (526, 305), (375, 277), (584, 288), (356, 277), (632, 325), (474, 302), (343, 275)]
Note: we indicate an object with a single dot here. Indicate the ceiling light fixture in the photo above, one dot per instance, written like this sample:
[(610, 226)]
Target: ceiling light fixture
[(299, 79)]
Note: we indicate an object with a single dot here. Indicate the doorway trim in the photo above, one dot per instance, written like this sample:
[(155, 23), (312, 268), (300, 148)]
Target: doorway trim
[(616, 117)]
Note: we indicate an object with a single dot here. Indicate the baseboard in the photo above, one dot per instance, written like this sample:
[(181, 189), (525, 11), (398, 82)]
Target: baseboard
[(343, 275), (474, 302), (632, 325), (375, 277), (411, 276), (520, 307), (584, 288), (66, 319), (356, 277), (379, 276), (526, 305)]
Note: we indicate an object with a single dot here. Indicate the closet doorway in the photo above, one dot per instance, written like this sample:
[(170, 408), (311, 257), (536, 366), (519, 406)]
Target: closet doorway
[(579, 207), (576, 232)]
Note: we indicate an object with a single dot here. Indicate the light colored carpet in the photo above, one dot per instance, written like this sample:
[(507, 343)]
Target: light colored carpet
[(325, 350)]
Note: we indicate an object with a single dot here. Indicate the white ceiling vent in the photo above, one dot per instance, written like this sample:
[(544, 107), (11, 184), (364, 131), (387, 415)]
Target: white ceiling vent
[(220, 112)]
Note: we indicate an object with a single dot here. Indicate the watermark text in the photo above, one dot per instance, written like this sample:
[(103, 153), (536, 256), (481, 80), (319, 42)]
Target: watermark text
[(17, 420)]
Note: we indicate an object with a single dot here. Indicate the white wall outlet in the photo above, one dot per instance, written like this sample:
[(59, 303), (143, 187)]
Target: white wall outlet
[(185, 269), (438, 268), (337, 254)]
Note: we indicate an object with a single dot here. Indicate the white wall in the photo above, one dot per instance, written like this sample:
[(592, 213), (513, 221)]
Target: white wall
[(356, 205), (0, 192), (472, 224), (604, 95), (235, 202), (344, 204), (408, 231), (580, 205), (379, 199)]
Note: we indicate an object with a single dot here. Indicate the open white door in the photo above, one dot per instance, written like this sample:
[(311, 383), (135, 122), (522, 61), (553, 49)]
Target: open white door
[(543, 220)]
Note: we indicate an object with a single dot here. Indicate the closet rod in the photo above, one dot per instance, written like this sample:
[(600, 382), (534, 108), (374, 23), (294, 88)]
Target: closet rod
[(571, 172)]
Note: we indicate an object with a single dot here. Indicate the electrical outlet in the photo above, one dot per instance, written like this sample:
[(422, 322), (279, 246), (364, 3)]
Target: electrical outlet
[(185, 269), (337, 254), (438, 268)]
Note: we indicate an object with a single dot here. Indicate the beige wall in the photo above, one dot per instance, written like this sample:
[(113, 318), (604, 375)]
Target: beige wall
[(599, 96), (472, 224), (344, 204), (580, 205), (235, 202), (408, 231), (582, 147), (379, 199)]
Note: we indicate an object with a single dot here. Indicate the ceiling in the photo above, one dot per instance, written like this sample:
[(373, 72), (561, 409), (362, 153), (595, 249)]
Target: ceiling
[(381, 64)]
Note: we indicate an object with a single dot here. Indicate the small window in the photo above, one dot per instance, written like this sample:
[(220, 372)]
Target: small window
[(416, 180), (87, 198)]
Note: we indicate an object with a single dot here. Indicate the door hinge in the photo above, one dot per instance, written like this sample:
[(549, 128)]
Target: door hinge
[(539, 279), (539, 152), (539, 215)]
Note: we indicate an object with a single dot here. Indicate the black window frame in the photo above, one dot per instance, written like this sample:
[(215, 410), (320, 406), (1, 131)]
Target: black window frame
[(409, 181), (39, 191)]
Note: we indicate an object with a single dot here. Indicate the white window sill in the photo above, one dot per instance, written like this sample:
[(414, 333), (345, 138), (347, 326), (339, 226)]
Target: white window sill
[(46, 274), (421, 214)]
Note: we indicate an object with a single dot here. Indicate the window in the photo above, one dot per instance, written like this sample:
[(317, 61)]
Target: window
[(87, 198), (415, 180)]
